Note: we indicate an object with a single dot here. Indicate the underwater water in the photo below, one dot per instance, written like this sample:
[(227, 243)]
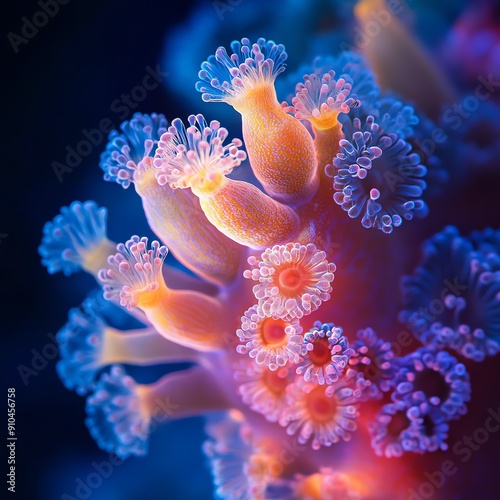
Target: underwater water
[(282, 267)]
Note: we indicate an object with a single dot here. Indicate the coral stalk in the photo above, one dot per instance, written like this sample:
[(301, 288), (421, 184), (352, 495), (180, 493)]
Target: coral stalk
[(280, 149), (195, 158), (133, 277)]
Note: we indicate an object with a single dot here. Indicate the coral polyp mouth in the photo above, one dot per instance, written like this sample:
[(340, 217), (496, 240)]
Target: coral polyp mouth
[(321, 407), (260, 241), (276, 381), (432, 384), (399, 422), (291, 279), (273, 331)]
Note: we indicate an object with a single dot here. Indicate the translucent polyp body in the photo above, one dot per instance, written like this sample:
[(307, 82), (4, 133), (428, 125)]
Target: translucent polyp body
[(245, 214), (189, 318), (177, 219), (188, 392), (141, 347), (134, 278), (280, 149)]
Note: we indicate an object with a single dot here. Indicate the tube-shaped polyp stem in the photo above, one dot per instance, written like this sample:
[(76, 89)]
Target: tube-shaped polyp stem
[(280, 148), (177, 219), (195, 158), (134, 279), (122, 413)]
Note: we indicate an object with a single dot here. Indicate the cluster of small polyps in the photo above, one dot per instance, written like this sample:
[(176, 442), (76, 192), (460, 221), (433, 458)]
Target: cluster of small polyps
[(258, 326)]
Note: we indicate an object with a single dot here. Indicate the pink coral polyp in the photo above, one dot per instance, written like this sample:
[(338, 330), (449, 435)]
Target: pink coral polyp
[(293, 280)]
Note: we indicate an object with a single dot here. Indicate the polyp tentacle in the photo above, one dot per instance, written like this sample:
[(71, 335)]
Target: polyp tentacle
[(134, 279)]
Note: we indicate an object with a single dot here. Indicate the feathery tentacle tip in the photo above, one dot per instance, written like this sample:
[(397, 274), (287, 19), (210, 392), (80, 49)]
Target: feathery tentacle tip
[(226, 77), (133, 271), (80, 343), (126, 150), (321, 99), (195, 156)]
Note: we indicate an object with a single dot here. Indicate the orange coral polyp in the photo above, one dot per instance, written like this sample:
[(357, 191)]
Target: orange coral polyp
[(319, 100), (269, 341), (293, 280), (280, 149), (134, 278)]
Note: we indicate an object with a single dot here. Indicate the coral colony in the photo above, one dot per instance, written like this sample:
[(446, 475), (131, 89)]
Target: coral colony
[(291, 354)]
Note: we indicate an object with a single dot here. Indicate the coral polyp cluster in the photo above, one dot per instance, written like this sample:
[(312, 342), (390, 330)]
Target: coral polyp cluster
[(282, 352)]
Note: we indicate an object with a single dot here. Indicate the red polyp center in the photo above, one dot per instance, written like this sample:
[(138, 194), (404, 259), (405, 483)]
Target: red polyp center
[(276, 381), (291, 279), (273, 331), (321, 352), (321, 407)]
